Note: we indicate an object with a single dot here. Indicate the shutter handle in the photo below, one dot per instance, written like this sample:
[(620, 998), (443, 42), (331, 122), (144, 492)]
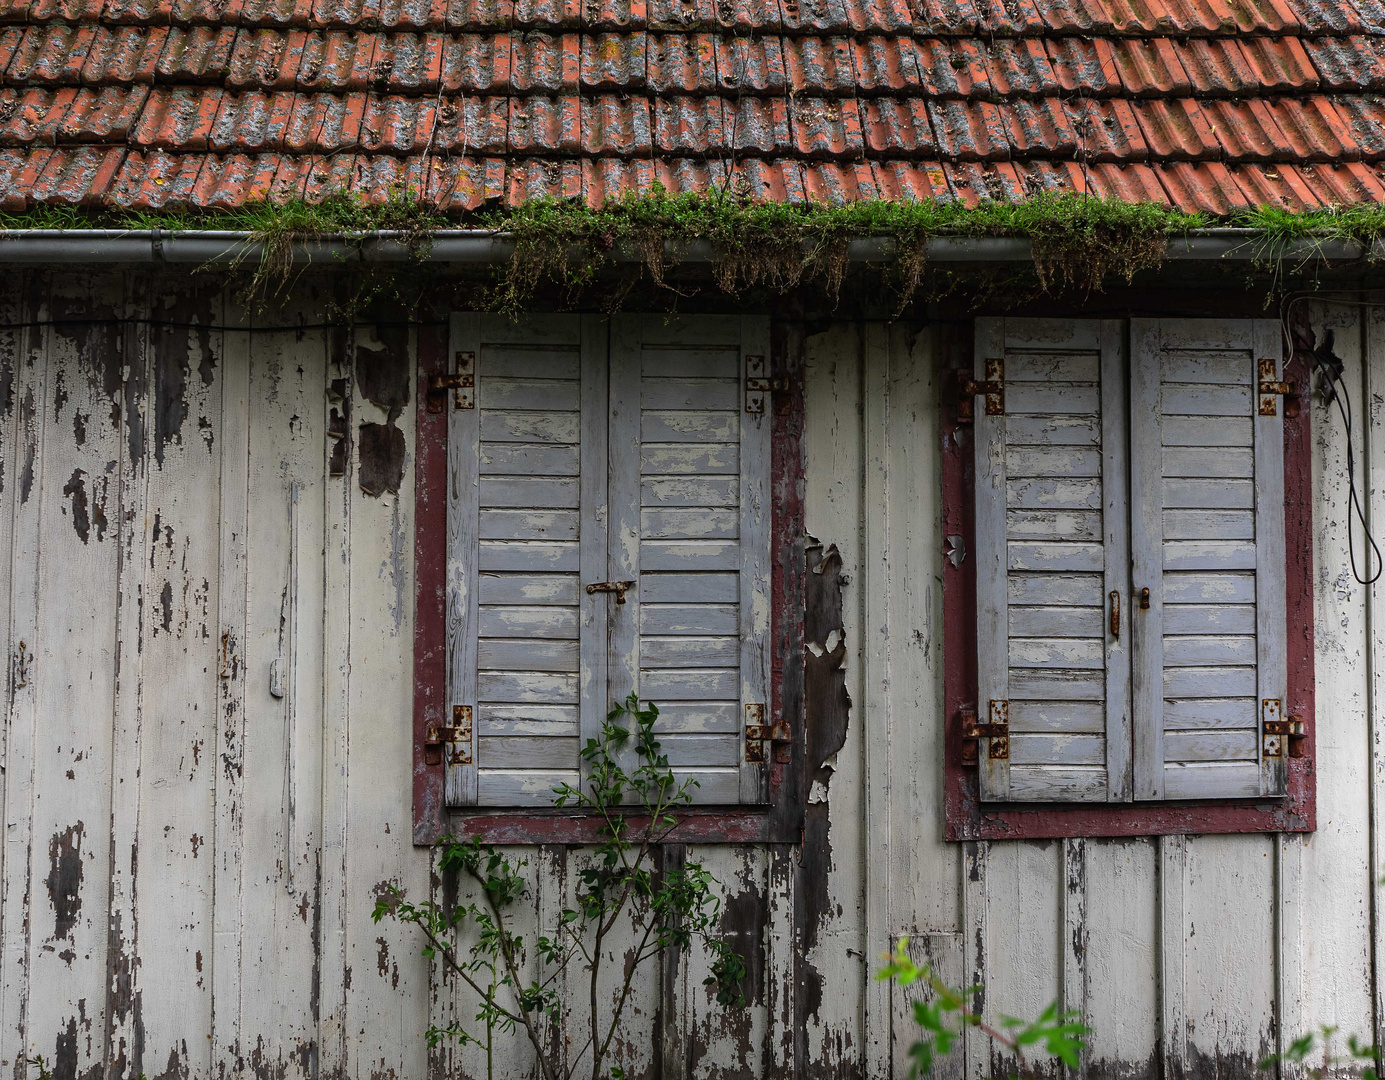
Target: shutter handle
[(617, 587), (1115, 613), (1144, 599)]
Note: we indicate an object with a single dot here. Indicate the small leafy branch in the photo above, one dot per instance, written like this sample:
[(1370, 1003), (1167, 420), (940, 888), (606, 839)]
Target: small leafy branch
[(1061, 1033), (1358, 1054), (631, 790)]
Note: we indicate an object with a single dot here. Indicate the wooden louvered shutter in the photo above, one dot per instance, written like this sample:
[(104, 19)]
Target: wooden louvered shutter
[(1052, 548), (526, 527), (690, 521), (1207, 468)]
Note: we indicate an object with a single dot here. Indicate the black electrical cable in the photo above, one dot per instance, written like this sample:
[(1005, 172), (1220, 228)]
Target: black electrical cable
[(1334, 388)]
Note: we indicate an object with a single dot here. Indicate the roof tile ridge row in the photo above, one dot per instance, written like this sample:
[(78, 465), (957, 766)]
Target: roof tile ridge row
[(1286, 128), (995, 16), (114, 179), (696, 63)]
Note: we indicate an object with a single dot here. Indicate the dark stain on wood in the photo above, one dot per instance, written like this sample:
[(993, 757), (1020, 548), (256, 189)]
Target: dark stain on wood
[(65, 878), (76, 491), (382, 453), (382, 374)]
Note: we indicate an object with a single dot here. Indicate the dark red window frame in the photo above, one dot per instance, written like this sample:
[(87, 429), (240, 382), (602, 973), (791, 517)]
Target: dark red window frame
[(781, 819), (968, 818)]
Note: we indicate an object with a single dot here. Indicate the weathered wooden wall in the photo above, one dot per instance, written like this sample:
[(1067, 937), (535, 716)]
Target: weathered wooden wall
[(190, 863)]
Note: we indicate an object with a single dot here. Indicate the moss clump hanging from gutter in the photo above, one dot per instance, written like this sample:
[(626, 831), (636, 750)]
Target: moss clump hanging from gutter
[(1077, 241)]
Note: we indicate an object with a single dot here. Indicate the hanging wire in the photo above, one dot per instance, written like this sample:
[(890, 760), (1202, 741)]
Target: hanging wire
[(175, 324), (1334, 389)]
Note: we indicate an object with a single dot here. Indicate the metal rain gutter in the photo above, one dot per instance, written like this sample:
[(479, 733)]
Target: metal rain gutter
[(476, 247)]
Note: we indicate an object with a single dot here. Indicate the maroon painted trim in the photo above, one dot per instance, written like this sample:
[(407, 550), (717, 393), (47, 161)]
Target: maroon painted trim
[(430, 591), (780, 821), (969, 819)]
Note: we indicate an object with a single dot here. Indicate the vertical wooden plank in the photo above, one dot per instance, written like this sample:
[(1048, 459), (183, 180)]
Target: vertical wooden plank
[(876, 640), (1173, 919), (593, 523), (74, 668), (756, 513), (233, 432), (1271, 647), (780, 963), (623, 493), (1290, 1019), (463, 550), (1115, 502), (1075, 934), (992, 603), (336, 690), (1122, 956), (279, 475), (21, 750), (1373, 712), (671, 1031), (1147, 560), (975, 937), (13, 338), (179, 694)]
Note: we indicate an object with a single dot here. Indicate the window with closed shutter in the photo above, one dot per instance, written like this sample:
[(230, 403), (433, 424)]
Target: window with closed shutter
[(1130, 560), (608, 519)]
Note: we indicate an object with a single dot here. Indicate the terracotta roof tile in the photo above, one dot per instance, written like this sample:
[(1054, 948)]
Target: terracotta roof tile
[(681, 63), (1077, 16), (1216, 66), (1150, 67), (898, 128), (1350, 63), (1344, 185), (544, 125), (196, 54), (103, 115), (687, 125), (886, 65), (50, 55), (1365, 122), (1039, 127), (1106, 131), (823, 127), (177, 119), (545, 63), (1327, 17), (465, 183), (251, 122), (1247, 131), (384, 14), (617, 125), (974, 183), (265, 59), (472, 125), (1176, 129), (476, 62), (124, 55), (614, 15), (529, 180), (1275, 185), (80, 176), (750, 65), (18, 171), (340, 61), (820, 65), (380, 178), (29, 116), (910, 181), (325, 123), (236, 179), (280, 14), (1314, 129), (157, 181), (969, 131), (612, 61), (837, 185), (1280, 65), (1019, 66), (1205, 187), (479, 15), (1371, 14), (1130, 183), (952, 68), (759, 125), (1084, 66), (819, 16)]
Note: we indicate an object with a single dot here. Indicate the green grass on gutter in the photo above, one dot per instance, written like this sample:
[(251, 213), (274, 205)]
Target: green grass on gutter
[(1078, 241)]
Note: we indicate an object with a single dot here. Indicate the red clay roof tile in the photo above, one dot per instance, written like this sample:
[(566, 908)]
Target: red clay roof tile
[(617, 125), (1039, 127), (265, 60), (341, 61), (1314, 129), (177, 119), (124, 55), (1107, 131), (837, 185), (1019, 66), (1084, 66), (1176, 129), (196, 54), (1150, 68), (1247, 131), (614, 15), (78, 177), (30, 116), (969, 131), (1280, 65), (50, 55), (819, 65), (1365, 122), (952, 68), (688, 125), (544, 125), (1275, 185), (1129, 183), (898, 128), (18, 171), (324, 123), (823, 127), (1077, 16), (156, 181), (543, 180), (477, 62), (886, 65), (1206, 187), (758, 125), (1216, 66), (750, 65), (973, 183), (251, 122), (103, 115), (1350, 63), (545, 63), (1344, 185), (612, 61), (681, 63), (909, 181)]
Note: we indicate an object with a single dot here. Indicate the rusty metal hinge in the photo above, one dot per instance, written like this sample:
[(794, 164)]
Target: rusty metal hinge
[(758, 384), (620, 588), (757, 733), (1279, 734), (993, 388), (996, 730), (456, 737), (1270, 388), (462, 382)]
